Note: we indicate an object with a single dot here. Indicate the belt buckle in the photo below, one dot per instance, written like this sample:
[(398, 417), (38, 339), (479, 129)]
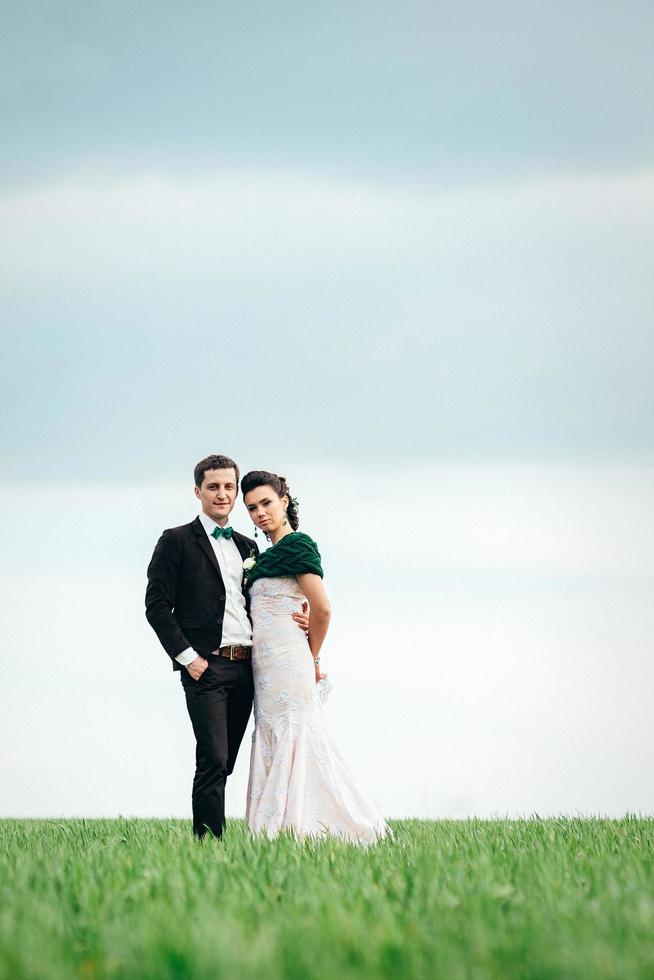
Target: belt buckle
[(231, 651)]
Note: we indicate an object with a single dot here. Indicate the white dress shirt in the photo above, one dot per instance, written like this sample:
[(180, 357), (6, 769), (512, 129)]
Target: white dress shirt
[(236, 625)]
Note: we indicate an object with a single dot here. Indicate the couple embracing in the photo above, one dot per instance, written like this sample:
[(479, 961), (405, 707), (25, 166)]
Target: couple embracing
[(240, 625)]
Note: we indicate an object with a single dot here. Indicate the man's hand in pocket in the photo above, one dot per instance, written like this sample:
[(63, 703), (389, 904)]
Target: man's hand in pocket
[(197, 667)]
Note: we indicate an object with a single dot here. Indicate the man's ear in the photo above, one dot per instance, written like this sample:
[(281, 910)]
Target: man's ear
[(197, 491)]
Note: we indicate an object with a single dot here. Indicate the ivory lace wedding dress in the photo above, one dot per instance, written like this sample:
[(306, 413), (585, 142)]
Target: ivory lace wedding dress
[(298, 778)]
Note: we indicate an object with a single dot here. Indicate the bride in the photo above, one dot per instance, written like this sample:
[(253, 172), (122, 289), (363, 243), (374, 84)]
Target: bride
[(298, 779)]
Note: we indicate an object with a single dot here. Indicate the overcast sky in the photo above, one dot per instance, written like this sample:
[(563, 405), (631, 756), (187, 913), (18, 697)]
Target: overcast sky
[(406, 248)]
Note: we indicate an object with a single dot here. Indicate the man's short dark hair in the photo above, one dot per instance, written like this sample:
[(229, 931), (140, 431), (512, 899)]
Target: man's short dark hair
[(214, 463)]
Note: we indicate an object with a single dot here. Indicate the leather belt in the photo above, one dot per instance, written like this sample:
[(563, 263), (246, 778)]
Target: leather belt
[(234, 652)]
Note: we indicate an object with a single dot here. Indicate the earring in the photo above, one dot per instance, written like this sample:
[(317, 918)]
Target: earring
[(284, 522), (255, 531)]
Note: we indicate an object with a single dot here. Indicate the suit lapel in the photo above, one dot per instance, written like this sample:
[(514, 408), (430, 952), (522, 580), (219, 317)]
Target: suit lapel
[(205, 544), (244, 547), (244, 550)]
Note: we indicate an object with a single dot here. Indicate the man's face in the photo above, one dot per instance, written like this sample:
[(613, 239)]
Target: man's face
[(217, 494)]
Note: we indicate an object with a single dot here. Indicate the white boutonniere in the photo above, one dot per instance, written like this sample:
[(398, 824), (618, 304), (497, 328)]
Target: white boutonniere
[(249, 563)]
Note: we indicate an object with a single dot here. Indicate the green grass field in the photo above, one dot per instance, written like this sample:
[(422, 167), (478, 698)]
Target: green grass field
[(475, 898)]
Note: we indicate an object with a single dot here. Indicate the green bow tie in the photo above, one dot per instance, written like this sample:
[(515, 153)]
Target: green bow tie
[(222, 532)]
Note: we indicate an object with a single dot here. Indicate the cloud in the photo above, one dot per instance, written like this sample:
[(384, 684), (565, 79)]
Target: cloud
[(452, 90), (242, 222), (503, 320)]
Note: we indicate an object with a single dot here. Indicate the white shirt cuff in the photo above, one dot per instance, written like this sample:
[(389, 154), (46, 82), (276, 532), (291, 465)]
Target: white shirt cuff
[(186, 657)]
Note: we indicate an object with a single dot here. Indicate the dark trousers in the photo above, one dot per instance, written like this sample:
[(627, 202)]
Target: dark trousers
[(219, 705)]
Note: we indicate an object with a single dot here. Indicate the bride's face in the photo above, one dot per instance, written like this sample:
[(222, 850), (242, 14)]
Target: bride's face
[(266, 508)]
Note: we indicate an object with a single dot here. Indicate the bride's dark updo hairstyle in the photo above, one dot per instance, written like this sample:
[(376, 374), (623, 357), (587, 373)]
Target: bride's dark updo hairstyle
[(260, 478)]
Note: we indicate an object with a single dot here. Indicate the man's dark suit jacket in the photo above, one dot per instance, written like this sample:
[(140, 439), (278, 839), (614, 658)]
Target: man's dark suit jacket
[(185, 597)]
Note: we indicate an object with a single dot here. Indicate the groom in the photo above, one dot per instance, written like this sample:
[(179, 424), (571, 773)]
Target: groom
[(195, 604)]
